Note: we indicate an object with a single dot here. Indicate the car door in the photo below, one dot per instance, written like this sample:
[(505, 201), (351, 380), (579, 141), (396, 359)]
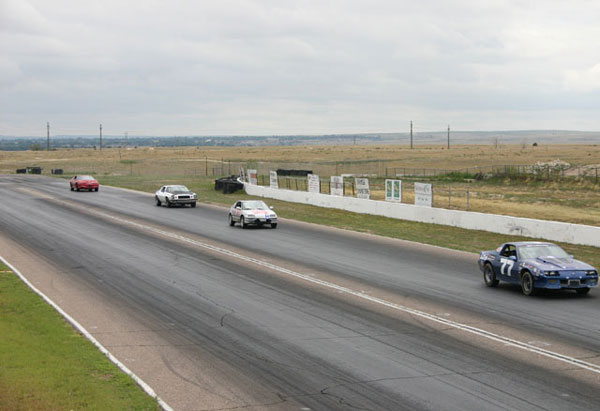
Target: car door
[(507, 265), (161, 194), (237, 211)]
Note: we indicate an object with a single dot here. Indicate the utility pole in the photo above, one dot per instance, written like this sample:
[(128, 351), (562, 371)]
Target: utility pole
[(100, 136), (47, 136), (411, 136), (448, 136)]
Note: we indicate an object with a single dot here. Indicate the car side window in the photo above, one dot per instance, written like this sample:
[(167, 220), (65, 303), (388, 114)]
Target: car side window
[(508, 251), (162, 189), (238, 204)]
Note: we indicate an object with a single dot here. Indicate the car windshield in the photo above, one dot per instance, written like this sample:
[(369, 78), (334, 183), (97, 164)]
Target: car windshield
[(254, 205), (177, 189), (542, 250), (85, 178)]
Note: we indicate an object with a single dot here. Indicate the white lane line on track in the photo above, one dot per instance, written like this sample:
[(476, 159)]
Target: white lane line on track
[(464, 327), (90, 337)]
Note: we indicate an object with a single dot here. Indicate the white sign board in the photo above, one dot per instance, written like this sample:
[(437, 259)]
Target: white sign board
[(336, 186), (362, 188), (393, 190), (314, 185), (253, 177), (273, 179), (423, 194)]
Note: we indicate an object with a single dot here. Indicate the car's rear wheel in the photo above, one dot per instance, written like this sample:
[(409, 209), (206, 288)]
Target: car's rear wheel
[(231, 222), (242, 222), (273, 225), (489, 276), (582, 291), (527, 283), (158, 203)]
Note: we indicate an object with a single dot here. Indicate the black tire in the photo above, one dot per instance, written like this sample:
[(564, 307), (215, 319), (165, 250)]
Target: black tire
[(158, 203), (582, 291), (97, 188), (76, 187), (231, 222), (72, 189), (527, 285), (489, 276), (193, 205), (169, 204), (242, 222), (273, 225)]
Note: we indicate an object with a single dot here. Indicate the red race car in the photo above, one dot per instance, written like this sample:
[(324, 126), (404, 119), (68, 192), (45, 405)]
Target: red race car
[(84, 183)]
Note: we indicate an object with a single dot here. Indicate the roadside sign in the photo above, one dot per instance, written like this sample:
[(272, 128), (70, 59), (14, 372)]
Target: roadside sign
[(423, 194), (273, 179), (252, 177), (393, 190), (314, 185), (336, 186), (362, 188)]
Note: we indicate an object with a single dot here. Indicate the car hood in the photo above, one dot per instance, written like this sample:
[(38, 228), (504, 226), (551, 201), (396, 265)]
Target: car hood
[(554, 263), (260, 212)]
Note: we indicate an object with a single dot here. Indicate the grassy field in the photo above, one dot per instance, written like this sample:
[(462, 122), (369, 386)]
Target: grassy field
[(575, 200), (46, 365)]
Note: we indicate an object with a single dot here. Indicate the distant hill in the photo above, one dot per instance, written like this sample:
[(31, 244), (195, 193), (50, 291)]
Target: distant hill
[(419, 138)]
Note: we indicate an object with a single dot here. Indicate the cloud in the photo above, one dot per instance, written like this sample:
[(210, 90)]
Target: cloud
[(300, 66)]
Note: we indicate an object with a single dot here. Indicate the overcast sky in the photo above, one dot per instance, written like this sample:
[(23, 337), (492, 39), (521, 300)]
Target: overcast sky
[(247, 67)]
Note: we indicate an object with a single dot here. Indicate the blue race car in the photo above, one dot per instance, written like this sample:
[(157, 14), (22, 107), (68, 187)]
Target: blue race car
[(536, 265)]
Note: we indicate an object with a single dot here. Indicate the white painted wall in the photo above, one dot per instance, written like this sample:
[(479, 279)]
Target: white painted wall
[(528, 227)]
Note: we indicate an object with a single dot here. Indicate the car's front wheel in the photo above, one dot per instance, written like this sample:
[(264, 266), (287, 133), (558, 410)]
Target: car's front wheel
[(231, 222), (582, 291), (193, 205), (273, 225), (169, 204), (242, 222), (76, 187), (489, 276), (71, 185), (527, 283)]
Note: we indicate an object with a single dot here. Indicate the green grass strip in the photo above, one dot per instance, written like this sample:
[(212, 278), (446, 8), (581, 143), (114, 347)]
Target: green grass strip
[(45, 364)]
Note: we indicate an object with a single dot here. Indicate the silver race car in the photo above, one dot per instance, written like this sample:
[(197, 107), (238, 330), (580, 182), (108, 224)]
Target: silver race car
[(175, 194), (252, 212)]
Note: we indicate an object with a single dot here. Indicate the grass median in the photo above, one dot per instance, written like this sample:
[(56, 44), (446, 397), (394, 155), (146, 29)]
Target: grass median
[(45, 364)]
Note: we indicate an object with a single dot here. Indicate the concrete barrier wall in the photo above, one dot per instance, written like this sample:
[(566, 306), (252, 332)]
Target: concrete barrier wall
[(528, 227)]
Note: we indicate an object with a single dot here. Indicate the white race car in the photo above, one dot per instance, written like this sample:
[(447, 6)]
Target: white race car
[(252, 212), (175, 194)]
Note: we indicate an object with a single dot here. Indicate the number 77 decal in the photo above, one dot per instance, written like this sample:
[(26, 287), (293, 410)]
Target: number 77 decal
[(507, 266)]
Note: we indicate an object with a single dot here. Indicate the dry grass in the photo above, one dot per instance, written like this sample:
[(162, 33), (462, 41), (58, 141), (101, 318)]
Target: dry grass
[(572, 200)]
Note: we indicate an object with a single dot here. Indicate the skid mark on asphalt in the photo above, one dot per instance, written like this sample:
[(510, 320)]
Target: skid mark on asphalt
[(421, 314), (506, 341)]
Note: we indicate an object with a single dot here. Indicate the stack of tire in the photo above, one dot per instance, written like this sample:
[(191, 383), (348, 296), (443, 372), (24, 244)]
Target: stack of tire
[(228, 184)]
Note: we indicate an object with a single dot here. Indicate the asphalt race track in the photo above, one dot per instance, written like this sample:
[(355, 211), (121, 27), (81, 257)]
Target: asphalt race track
[(297, 318)]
